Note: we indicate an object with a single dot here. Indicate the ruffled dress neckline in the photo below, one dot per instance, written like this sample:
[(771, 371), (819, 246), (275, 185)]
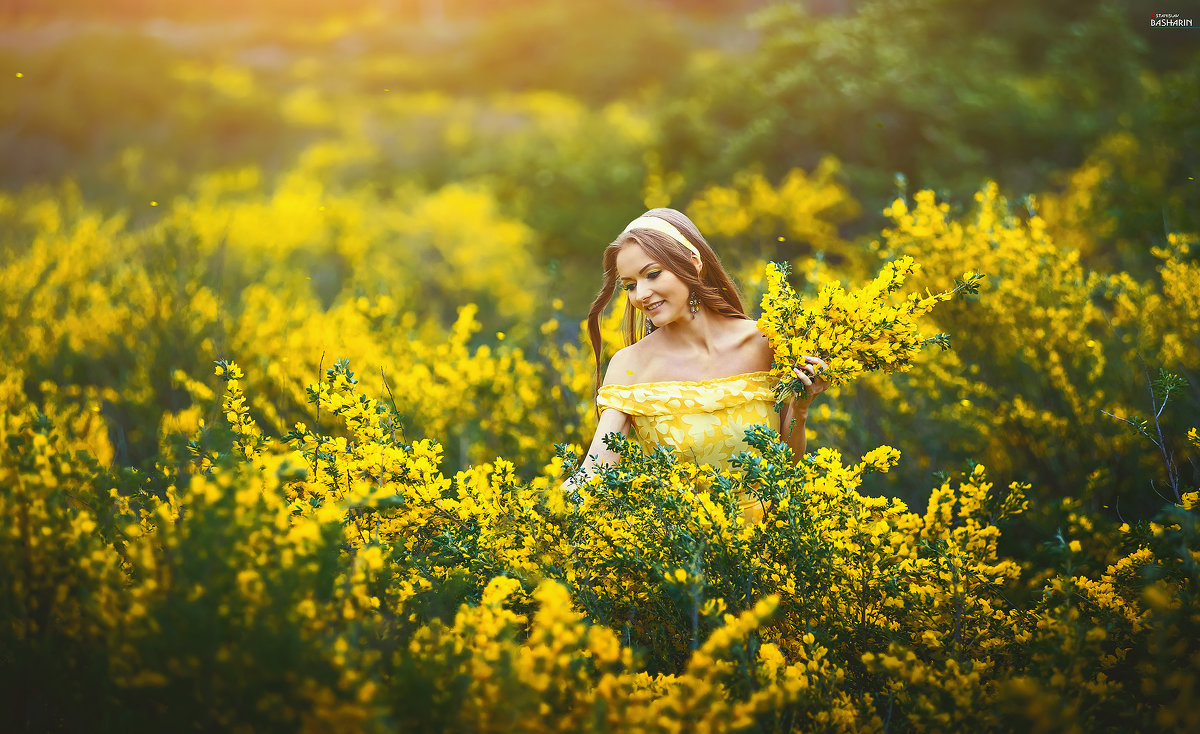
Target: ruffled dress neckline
[(762, 374), (680, 397)]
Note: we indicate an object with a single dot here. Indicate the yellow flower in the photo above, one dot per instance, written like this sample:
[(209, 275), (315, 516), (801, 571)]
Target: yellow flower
[(854, 332)]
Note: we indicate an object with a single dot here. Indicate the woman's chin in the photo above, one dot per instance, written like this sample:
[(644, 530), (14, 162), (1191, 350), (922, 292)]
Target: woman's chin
[(659, 320)]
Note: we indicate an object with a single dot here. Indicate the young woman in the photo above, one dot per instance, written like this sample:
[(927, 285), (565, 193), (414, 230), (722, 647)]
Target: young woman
[(694, 375)]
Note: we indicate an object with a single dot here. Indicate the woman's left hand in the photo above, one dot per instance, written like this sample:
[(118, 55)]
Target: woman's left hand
[(807, 372)]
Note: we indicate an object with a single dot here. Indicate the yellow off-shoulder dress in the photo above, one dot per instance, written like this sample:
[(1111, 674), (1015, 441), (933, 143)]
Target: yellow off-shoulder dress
[(704, 421)]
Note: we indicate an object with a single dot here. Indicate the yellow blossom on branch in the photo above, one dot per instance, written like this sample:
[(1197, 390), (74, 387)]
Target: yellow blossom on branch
[(863, 330)]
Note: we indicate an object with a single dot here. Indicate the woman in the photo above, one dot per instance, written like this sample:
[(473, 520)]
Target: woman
[(694, 375)]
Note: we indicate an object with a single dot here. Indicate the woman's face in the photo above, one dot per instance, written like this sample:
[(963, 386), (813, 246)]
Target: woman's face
[(651, 288)]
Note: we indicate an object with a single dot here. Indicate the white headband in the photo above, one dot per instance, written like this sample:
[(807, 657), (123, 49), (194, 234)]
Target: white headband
[(659, 224)]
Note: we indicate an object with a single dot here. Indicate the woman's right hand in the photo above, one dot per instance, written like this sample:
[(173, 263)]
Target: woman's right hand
[(809, 374), (611, 420), (572, 488)]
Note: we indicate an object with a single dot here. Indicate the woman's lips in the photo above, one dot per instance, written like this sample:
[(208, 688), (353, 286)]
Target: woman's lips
[(654, 306)]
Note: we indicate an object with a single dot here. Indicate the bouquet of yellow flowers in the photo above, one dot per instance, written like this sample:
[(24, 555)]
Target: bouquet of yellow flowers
[(853, 332)]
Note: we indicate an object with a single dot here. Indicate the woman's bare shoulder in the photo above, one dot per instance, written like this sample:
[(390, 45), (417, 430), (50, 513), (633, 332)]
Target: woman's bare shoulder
[(747, 328), (626, 363), (642, 361), (751, 345), (749, 336)]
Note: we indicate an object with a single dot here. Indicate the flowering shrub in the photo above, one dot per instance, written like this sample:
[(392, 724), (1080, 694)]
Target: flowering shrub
[(1047, 348), (324, 580)]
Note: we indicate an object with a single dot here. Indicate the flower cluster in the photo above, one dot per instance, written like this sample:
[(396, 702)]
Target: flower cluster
[(862, 330)]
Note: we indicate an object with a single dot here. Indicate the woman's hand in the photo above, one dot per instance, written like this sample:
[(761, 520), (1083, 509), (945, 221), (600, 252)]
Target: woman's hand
[(573, 488), (813, 383)]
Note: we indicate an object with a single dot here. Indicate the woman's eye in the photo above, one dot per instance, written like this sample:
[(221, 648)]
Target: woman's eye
[(653, 274), (629, 286)]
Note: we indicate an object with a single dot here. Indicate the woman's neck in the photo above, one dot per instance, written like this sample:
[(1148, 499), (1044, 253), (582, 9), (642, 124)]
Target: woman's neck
[(699, 335)]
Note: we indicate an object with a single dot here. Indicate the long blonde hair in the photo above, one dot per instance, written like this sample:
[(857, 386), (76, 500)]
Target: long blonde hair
[(712, 285)]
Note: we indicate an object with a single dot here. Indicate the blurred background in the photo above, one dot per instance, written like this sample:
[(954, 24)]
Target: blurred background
[(567, 108), (234, 178)]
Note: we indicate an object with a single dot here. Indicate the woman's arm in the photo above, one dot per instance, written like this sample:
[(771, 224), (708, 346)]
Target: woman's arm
[(611, 421), (792, 420), (794, 416), (598, 454)]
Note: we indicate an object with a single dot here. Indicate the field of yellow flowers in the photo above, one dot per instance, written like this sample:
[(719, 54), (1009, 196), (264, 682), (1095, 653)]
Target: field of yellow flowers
[(294, 373), (308, 498)]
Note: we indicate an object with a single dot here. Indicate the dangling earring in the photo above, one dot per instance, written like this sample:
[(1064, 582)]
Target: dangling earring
[(694, 303)]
